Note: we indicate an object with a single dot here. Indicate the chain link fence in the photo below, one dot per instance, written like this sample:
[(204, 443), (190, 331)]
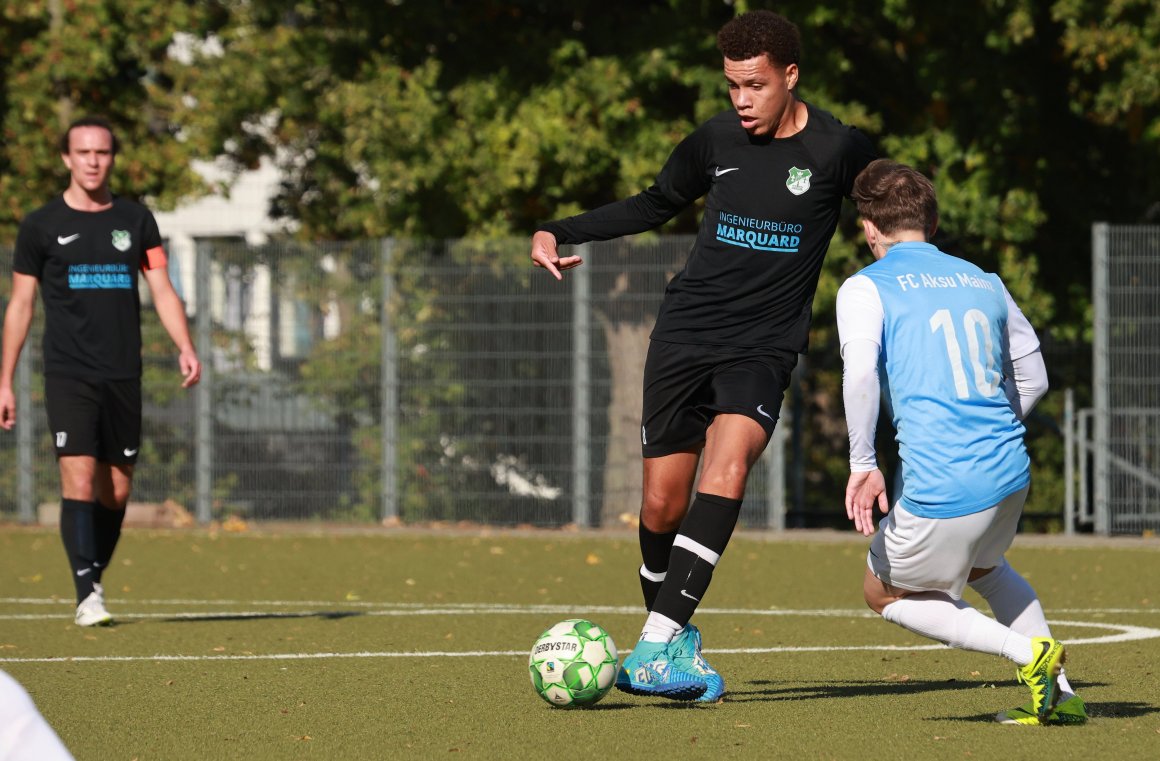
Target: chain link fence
[(1125, 418), (394, 381)]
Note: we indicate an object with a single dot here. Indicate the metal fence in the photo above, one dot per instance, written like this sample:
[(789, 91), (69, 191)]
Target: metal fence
[(397, 381), (1115, 444)]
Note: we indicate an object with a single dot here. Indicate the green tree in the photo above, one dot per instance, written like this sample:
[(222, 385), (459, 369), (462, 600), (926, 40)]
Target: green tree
[(64, 59)]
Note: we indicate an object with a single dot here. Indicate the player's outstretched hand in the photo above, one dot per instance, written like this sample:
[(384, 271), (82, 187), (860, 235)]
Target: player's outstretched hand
[(7, 409), (546, 254), (863, 491), (190, 368)]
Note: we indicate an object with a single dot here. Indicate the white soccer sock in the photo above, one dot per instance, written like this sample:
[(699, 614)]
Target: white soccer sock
[(1015, 604), (955, 623), (1013, 601), (659, 628)]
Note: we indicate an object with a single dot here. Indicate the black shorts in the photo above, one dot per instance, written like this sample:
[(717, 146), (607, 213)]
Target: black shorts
[(686, 385), (94, 418)]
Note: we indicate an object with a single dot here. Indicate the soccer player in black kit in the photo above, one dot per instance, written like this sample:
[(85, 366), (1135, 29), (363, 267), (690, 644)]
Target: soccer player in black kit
[(85, 249), (774, 171)]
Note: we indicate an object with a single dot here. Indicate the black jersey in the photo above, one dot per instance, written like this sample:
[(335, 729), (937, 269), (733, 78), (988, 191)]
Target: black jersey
[(87, 264), (771, 210)]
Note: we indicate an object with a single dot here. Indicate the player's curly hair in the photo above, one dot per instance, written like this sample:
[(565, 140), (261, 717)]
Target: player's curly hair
[(895, 197), (761, 32)]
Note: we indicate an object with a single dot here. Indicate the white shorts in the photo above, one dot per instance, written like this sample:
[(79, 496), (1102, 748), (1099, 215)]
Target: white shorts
[(937, 554)]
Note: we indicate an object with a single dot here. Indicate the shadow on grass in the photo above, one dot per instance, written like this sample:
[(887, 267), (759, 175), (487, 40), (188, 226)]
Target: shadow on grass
[(1095, 711), (768, 690), (330, 615), (601, 706), (762, 691), (1120, 709)]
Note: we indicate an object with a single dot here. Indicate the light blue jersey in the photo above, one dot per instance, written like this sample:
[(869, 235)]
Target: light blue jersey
[(943, 334)]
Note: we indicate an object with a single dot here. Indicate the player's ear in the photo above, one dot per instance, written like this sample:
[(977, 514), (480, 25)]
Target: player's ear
[(933, 227), (791, 76)]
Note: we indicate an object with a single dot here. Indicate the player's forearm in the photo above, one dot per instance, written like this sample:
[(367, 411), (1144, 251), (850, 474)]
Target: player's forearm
[(861, 393), (172, 314), (1026, 384), (17, 320), (637, 214)]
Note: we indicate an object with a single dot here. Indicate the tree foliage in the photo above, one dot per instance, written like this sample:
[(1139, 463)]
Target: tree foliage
[(63, 59), (482, 118)]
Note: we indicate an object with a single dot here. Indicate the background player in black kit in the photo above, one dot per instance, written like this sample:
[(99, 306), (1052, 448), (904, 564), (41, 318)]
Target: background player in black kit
[(774, 170), (85, 249)]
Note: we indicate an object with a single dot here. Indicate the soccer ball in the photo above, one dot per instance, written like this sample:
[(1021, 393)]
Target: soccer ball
[(573, 663)]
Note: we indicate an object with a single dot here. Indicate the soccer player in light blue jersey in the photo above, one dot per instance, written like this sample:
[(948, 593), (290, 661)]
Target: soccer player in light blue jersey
[(959, 366)]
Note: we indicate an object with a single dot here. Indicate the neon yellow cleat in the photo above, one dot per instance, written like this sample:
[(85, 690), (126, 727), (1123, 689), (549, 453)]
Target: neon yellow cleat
[(1042, 675), (1071, 710)]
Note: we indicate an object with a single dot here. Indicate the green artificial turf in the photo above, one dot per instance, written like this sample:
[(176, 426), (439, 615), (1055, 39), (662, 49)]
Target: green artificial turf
[(413, 644)]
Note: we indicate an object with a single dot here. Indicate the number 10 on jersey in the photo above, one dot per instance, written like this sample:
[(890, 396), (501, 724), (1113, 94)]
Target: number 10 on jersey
[(980, 350)]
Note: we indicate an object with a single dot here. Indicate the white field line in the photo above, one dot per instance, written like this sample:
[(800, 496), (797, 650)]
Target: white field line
[(1122, 632)]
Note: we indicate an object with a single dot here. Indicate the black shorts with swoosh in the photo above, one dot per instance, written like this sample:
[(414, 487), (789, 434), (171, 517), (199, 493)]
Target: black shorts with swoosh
[(687, 385), (94, 418)]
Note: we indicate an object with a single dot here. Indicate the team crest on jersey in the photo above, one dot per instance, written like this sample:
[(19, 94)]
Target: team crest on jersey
[(121, 240), (799, 180)]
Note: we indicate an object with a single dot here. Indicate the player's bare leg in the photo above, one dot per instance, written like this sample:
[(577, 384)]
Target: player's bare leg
[(732, 444)]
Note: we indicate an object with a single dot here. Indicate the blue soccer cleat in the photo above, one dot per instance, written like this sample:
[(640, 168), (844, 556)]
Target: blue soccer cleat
[(686, 655), (649, 670)]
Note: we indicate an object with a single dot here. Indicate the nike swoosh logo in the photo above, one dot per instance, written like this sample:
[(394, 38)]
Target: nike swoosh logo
[(719, 171), (130, 452), (64, 241), (84, 571), (686, 594), (760, 411)]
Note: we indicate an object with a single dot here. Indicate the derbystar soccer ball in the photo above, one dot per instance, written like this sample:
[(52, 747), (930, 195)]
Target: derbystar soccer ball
[(573, 663)]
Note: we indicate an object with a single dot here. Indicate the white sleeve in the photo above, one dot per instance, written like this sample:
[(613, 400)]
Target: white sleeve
[(24, 733), (860, 319), (1024, 373), (860, 312), (1021, 336)]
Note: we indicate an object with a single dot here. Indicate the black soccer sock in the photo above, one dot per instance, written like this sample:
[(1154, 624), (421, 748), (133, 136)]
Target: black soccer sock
[(696, 551), (78, 532), (654, 550), (108, 532)]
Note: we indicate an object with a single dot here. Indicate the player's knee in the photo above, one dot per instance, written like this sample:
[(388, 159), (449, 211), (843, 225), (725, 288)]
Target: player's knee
[(873, 602), (662, 514), (874, 593), (726, 480), (80, 489)]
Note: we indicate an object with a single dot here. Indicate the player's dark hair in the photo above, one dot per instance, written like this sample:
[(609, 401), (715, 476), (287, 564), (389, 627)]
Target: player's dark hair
[(895, 197), (88, 121), (756, 33)]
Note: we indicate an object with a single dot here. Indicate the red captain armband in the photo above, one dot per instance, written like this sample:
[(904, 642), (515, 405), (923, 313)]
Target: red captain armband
[(154, 258)]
